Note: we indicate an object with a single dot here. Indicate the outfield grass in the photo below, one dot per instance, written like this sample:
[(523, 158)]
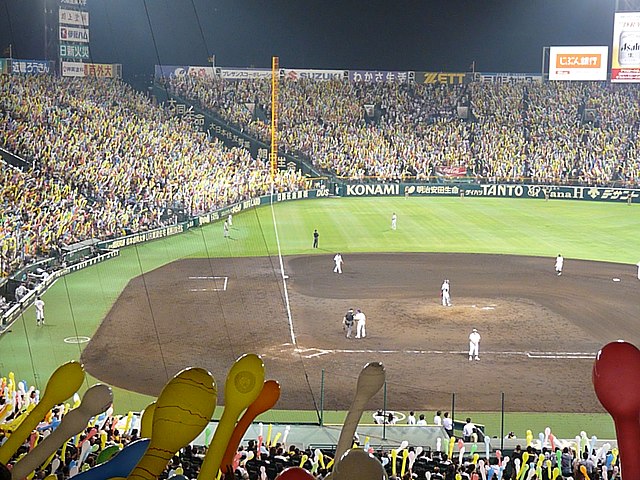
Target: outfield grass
[(578, 230)]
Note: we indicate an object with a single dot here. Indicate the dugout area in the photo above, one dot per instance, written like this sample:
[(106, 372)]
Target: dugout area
[(539, 332)]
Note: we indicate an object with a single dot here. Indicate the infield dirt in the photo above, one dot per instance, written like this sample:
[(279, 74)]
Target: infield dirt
[(540, 332)]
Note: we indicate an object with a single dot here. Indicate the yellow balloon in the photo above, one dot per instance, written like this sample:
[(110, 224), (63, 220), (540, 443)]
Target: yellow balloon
[(63, 383), (183, 410), (146, 422), (243, 385)]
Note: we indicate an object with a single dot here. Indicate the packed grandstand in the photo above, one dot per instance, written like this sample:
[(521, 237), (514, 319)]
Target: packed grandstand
[(107, 160)]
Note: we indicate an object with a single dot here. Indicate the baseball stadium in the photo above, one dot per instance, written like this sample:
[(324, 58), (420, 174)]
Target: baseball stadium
[(156, 241)]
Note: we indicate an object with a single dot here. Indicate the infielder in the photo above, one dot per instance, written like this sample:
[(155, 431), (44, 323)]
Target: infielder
[(446, 296), (338, 261), (474, 344), (394, 221), (361, 322), (39, 304), (559, 264)]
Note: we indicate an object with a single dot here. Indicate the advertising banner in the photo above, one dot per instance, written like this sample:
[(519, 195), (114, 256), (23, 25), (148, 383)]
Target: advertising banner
[(105, 70), (74, 52), (608, 194), (443, 78), (74, 34), (30, 67), (378, 76), (507, 77), (72, 69), (170, 71), (73, 17), (625, 57), (243, 73), (578, 63), (451, 171), (309, 74), (4, 66), (77, 3), (197, 71)]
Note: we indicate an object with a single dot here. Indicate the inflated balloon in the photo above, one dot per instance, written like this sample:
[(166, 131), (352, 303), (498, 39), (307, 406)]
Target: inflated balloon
[(487, 445), (295, 473), (267, 398), (146, 421), (616, 380), (183, 409), (475, 458), (63, 383), (243, 385), (405, 455), (529, 438), (355, 464), (120, 465), (370, 381), (583, 470), (452, 442), (394, 456)]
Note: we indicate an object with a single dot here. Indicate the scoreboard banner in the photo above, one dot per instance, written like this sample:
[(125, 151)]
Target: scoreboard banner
[(380, 76), (625, 57), (74, 52), (31, 67), (73, 34), (73, 17), (311, 74), (444, 78)]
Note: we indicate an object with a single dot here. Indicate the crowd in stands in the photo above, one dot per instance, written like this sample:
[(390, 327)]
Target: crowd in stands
[(556, 132), (107, 162)]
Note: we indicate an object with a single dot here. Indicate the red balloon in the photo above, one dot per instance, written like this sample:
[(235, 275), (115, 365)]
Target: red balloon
[(295, 473), (616, 380)]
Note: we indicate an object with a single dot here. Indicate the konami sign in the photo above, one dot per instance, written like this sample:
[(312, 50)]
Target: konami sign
[(371, 190)]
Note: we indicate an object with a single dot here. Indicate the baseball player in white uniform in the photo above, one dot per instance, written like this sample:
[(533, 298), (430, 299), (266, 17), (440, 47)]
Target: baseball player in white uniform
[(361, 322), (225, 229), (638, 264), (474, 345), (394, 221), (338, 261), (39, 304), (446, 295), (559, 264)]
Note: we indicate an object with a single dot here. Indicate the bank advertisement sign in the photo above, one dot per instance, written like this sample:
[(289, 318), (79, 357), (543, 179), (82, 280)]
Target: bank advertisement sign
[(578, 63), (625, 57)]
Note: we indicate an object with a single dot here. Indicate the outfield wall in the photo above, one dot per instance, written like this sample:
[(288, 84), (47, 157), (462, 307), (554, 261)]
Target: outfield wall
[(565, 192)]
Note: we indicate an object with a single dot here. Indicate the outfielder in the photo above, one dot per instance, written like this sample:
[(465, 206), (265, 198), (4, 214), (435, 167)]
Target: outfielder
[(394, 221), (446, 296), (474, 345), (39, 304)]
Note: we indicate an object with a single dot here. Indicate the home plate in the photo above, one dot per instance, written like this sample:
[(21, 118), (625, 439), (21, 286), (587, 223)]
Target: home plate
[(616, 279)]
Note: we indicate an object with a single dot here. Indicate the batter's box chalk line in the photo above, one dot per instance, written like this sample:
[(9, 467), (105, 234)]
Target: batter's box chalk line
[(219, 284)]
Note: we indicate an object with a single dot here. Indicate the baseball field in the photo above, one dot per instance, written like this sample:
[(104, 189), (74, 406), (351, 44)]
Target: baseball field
[(198, 299)]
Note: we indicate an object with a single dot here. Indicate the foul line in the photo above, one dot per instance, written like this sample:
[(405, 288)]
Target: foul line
[(318, 352), (284, 277)]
